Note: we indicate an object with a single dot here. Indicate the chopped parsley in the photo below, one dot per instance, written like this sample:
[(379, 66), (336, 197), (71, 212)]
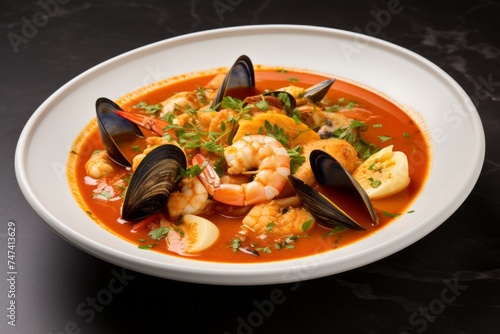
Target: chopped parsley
[(296, 159), (269, 227), (235, 244), (335, 230), (262, 105), (374, 183), (275, 132), (384, 138), (307, 224), (149, 108), (388, 214), (158, 233), (351, 134), (149, 246)]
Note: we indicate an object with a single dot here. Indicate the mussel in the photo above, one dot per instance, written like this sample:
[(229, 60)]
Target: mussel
[(329, 172), (114, 128), (317, 92), (321, 207), (241, 74), (153, 180)]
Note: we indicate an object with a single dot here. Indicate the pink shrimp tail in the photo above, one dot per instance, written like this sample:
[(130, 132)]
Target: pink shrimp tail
[(233, 193)]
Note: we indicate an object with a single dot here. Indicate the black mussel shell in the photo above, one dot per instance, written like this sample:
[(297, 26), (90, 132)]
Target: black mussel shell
[(241, 74), (154, 179), (317, 92), (328, 171), (321, 207), (112, 128)]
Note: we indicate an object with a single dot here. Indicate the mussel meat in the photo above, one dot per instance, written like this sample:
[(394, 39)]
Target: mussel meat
[(152, 182), (114, 128), (241, 74)]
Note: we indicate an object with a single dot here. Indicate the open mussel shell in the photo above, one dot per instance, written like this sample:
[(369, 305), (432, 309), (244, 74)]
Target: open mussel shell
[(241, 74), (329, 172), (317, 92), (321, 207), (153, 181), (114, 128)]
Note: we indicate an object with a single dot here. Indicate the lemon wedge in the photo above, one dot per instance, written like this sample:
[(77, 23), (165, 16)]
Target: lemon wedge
[(192, 236), (384, 173)]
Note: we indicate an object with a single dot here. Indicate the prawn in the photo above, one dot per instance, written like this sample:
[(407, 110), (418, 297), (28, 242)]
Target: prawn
[(278, 218), (265, 154), (180, 102), (99, 165), (192, 198)]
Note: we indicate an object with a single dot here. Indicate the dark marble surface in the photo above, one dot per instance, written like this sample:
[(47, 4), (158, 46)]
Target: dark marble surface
[(448, 282)]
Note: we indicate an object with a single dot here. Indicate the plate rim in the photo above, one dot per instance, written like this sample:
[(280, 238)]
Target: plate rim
[(110, 255)]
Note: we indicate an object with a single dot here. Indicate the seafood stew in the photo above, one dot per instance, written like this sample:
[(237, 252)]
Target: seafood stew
[(233, 180)]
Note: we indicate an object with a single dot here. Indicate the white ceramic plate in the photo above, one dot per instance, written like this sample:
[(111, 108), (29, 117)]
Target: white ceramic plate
[(453, 124)]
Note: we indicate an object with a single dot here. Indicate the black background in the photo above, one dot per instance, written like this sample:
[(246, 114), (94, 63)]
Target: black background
[(448, 282)]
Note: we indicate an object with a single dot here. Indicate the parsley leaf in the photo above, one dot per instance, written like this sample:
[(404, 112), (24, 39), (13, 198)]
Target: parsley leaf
[(277, 133), (335, 230), (149, 108), (158, 233), (269, 227), (235, 244), (374, 183), (388, 214), (384, 138), (307, 224), (296, 160)]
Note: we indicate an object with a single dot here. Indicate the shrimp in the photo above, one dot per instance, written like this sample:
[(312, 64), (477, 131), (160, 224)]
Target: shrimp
[(99, 165), (179, 102), (192, 198), (265, 154), (278, 218)]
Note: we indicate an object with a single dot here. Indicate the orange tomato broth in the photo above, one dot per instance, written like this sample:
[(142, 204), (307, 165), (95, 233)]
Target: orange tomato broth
[(397, 124)]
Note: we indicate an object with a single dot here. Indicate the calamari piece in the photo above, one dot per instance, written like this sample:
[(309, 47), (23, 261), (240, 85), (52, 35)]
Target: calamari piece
[(192, 235)]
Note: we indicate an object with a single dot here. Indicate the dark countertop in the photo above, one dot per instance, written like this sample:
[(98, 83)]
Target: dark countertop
[(448, 282)]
